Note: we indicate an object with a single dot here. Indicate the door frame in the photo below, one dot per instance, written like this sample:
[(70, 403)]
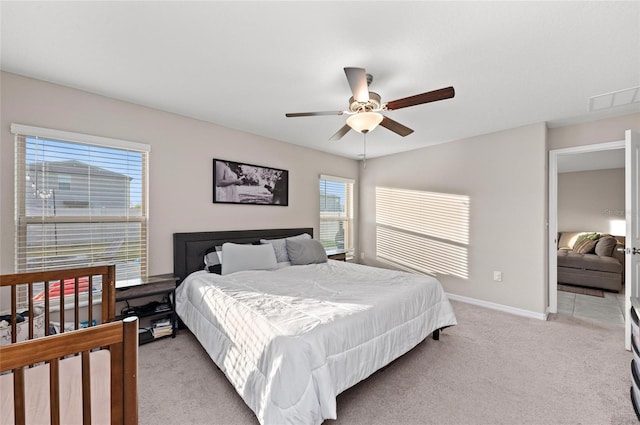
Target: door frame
[(554, 154), (632, 238)]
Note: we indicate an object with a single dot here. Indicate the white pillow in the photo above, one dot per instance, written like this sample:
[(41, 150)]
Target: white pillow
[(239, 257)]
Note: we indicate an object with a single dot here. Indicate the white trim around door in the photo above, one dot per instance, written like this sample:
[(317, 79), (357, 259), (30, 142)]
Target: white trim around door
[(554, 155)]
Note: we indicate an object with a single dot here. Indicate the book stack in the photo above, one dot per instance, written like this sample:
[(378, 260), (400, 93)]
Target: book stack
[(161, 327)]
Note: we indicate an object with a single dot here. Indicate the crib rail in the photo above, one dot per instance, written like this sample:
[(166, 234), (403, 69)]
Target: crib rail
[(120, 338), (68, 283)]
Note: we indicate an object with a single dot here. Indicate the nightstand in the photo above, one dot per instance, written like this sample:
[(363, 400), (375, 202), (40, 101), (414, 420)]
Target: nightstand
[(337, 254), (160, 319)]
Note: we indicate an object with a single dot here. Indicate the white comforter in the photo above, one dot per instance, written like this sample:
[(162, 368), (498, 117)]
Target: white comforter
[(292, 339)]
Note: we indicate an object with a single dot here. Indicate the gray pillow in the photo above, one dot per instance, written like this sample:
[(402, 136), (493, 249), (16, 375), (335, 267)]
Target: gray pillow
[(605, 246), (280, 246), (306, 251)]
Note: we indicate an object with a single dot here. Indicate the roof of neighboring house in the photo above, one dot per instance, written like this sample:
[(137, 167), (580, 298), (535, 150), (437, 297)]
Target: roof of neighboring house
[(73, 167)]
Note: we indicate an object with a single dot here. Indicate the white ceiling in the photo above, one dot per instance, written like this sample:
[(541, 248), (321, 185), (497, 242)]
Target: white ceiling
[(243, 65)]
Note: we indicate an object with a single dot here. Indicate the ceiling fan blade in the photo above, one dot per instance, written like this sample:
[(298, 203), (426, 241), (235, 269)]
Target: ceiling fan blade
[(396, 127), (357, 78), (418, 99), (344, 130), (313, 114)]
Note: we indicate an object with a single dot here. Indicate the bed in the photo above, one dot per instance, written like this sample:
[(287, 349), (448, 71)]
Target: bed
[(70, 365), (290, 339)]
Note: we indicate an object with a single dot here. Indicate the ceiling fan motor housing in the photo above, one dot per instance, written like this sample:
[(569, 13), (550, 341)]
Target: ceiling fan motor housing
[(373, 104)]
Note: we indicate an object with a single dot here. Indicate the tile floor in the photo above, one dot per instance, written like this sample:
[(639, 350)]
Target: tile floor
[(608, 309)]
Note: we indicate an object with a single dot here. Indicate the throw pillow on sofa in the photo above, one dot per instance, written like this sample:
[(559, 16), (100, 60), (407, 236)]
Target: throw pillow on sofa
[(584, 246), (568, 240), (605, 245), (593, 236)]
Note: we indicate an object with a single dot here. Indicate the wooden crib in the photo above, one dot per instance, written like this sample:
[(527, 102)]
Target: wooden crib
[(84, 373)]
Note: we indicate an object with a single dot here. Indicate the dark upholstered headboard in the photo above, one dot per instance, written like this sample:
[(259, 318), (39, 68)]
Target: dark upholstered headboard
[(189, 248)]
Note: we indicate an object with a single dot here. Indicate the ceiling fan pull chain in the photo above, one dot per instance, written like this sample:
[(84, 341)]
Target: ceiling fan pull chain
[(364, 154)]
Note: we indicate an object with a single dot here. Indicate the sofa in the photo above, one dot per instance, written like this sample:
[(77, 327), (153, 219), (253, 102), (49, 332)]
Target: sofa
[(591, 259)]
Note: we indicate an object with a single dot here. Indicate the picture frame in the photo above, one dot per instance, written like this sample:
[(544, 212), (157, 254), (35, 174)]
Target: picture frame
[(242, 183)]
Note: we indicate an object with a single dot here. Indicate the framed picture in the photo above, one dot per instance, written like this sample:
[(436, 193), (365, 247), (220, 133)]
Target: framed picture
[(240, 183)]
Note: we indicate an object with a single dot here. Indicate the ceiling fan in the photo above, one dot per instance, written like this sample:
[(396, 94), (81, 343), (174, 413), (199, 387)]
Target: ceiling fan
[(365, 107)]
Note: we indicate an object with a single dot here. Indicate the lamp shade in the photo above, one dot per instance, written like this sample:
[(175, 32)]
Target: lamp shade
[(364, 122)]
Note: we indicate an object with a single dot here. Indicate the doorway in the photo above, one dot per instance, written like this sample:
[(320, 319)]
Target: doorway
[(581, 158)]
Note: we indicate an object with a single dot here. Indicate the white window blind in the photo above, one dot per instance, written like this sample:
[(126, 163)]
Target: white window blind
[(336, 213), (80, 203)]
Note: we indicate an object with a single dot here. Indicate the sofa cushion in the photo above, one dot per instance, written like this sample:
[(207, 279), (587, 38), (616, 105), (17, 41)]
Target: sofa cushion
[(568, 239), (604, 246), (590, 278), (588, 262), (584, 246)]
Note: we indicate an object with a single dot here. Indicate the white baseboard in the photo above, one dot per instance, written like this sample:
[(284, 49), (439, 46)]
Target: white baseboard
[(500, 307)]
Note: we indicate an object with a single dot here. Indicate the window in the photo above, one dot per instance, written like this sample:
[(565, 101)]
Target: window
[(81, 200), (64, 182), (336, 213)]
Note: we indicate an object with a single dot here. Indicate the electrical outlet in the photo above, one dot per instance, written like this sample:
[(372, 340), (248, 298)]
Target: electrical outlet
[(497, 276)]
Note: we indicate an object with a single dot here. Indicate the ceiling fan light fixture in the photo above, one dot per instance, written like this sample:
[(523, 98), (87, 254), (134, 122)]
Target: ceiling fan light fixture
[(364, 122)]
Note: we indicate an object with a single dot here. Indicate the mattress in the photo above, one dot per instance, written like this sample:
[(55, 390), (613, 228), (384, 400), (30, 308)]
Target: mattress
[(290, 340)]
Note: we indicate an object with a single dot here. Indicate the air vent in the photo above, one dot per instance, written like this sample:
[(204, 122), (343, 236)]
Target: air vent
[(613, 99)]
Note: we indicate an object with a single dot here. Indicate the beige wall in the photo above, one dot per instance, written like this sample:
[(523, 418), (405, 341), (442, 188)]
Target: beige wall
[(589, 133), (591, 201), (504, 176), (182, 149)]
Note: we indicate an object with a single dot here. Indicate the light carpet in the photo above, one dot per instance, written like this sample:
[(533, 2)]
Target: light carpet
[(493, 368)]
